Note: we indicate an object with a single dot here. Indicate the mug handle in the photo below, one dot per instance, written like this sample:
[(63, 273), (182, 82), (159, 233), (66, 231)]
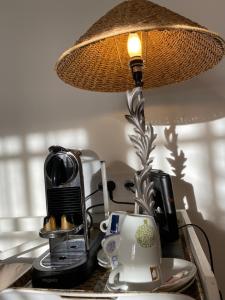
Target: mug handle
[(121, 286), (110, 244), (104, 223)]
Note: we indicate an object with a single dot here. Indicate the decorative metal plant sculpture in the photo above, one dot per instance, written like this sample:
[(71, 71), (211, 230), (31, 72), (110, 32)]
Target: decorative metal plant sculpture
[(142, 140)]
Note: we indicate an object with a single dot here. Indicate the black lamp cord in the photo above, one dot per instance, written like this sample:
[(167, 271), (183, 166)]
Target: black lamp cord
[(89, 196), (111, 187), (90, 207), (117, 202), (209, 247), (207, 241), (90, 215)]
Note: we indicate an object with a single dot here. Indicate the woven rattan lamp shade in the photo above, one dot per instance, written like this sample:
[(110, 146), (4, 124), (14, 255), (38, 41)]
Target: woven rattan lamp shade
[(174, 49)]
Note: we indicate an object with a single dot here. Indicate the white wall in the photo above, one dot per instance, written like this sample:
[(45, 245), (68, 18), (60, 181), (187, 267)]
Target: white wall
[(38, 110)]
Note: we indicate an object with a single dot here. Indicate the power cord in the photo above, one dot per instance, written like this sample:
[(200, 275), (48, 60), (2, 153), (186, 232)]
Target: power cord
[(91, 219), (89, 196), (209, 247), (111, 186), (87, 210), (90, 215), (129, 186), (93, 206), (207, 241)]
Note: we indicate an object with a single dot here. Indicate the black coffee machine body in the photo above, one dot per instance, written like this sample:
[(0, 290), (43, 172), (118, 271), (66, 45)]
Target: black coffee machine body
[(71, 257), (165, 213)]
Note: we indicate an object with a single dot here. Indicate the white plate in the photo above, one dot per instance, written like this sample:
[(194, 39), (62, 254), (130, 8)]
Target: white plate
[(163, 296), (103, 259), (18, 295), (174, 267), (181, 271), (186, 286)]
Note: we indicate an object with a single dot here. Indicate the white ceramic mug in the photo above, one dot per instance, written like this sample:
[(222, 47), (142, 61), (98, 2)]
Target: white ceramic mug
[(138, 252)]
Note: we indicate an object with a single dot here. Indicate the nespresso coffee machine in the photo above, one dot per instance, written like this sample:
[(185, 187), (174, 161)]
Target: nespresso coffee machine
[(165, 213), (71, 257)]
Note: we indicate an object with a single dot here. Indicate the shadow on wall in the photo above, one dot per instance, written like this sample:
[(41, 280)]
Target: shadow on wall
[(183, 190), (22, 190), (185, 199)]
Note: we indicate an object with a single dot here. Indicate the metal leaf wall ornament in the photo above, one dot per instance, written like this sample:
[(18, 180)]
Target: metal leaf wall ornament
[(142, 140)]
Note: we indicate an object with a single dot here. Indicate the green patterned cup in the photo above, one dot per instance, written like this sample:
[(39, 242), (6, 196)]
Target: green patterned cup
[(138, 251)]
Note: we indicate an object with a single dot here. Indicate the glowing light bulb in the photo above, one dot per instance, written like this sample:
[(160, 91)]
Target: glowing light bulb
[(134, 46)]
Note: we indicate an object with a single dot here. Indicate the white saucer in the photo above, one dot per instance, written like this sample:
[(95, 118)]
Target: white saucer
[(186, 286), (177, 275), (174, 268), (103, 260)]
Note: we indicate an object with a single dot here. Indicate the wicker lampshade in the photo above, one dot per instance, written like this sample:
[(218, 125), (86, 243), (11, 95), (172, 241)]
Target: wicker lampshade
[(174, 49)]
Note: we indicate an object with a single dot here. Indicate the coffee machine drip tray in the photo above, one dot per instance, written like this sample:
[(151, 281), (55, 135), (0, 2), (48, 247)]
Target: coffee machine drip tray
[(64, 255), (67, 263)]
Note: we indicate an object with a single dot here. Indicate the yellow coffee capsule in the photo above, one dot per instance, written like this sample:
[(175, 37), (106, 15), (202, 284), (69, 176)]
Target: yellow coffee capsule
[(52, 223), (46, 224), (65, 224)]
